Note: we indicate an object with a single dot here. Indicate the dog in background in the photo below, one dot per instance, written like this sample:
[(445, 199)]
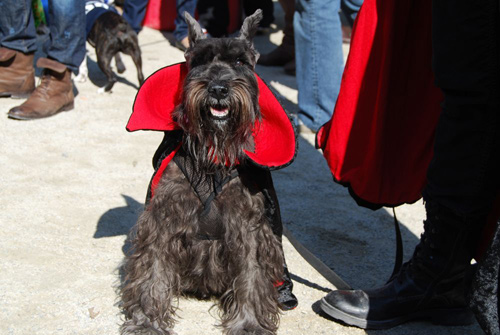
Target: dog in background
[(206, 231), (109, 33)]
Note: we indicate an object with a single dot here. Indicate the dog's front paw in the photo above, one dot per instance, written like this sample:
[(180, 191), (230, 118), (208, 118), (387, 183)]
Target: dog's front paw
[(249, 330), (130, 328)]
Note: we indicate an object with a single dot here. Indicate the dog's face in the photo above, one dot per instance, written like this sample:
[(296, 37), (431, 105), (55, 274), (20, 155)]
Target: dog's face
[(220, 102)]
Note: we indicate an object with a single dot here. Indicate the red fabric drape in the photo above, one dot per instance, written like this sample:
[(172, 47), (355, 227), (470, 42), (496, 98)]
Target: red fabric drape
[(379, 140)]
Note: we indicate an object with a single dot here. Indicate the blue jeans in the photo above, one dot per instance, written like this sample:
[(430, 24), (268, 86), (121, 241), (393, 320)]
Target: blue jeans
[(181, 28), (66, 24), (319, 59), (350, 8), (134, 12)]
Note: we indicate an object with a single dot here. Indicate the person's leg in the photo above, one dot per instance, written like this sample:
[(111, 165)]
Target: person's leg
[(134, 12), (181, 28), (250, 6), (350, 8), (17, 26), (349, 11), (17, 48), (463, 179), (289, 10), (285, 52), (67, 32), (466, 180), (214, 16), (319, 59), (65, 51)]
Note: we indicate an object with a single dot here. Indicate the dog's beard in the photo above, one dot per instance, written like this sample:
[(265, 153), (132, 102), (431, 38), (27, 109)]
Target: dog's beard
[(217, 131)]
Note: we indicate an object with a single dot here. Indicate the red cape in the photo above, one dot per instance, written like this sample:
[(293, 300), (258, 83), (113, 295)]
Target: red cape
[(379, 140), (274, 136)]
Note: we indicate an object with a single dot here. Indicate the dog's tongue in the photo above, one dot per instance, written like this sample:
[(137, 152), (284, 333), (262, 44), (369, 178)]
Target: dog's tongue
[(219, 112)]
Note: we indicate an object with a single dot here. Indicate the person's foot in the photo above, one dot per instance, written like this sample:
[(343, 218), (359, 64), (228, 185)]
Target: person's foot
[(278, 57), (399, 301), (432, 286), (183, 44), (264, 29), (17, 74), (54, 94), (346, 34), (302, 128)]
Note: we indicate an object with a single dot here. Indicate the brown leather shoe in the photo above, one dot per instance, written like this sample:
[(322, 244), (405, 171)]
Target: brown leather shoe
[(53, 95), (17, 74)]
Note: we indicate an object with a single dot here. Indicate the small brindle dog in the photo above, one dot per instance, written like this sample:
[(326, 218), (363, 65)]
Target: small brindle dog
[(223, 247), (111, 34)]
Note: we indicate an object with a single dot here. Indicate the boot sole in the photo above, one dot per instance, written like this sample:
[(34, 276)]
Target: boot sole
[(445, 317), (64, 108), (15, 95)]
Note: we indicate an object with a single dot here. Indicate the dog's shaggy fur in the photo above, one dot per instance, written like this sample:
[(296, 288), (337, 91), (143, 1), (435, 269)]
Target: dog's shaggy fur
[(240, 267)]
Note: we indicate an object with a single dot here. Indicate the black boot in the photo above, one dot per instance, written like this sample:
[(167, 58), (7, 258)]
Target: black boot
[(431, 286)]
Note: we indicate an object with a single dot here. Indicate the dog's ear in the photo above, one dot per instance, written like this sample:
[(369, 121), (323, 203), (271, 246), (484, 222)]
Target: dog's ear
[(195, 32), (250, 25)]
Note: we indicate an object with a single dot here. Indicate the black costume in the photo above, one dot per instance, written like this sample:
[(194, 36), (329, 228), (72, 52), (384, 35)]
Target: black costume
[(418, 114)]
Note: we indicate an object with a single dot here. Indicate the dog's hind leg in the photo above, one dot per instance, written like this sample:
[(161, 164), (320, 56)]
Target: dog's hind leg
[(149, 286), (120, 67), (104, 56), (136, 57), (251, 305), (135, 53)]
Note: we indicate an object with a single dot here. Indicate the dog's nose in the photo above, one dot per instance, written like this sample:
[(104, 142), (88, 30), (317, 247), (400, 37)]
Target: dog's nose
[(218, 91)]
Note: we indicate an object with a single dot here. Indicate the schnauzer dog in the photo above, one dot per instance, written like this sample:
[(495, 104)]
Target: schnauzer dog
[(209, 230)]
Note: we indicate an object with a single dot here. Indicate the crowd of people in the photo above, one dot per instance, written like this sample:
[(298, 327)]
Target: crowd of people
[(65, 49), (462, 182)]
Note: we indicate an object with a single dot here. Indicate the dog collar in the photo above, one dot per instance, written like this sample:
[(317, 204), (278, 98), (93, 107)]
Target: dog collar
[(274, 136)]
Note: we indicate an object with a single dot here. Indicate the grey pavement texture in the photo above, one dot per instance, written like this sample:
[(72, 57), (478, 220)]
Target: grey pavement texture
[(72, 186)]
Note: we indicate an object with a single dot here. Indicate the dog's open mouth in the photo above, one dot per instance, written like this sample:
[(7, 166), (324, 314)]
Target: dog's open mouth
[(219, 112)]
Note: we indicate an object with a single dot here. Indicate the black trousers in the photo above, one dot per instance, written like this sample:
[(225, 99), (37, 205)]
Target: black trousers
[(464, 173)]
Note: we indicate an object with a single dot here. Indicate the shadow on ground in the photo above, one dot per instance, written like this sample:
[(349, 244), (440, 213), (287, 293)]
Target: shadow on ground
[(357, 243), (99, 79), (120, 221)]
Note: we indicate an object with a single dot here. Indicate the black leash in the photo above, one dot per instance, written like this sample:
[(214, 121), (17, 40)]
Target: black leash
[(399, 248), (317, 264), (328, 273)]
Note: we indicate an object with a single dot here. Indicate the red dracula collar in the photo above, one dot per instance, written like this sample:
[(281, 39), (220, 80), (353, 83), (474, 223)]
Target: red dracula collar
[(274, 136)]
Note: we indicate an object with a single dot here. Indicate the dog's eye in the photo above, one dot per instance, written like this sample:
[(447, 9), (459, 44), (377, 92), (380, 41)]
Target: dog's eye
[(238, 62)]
